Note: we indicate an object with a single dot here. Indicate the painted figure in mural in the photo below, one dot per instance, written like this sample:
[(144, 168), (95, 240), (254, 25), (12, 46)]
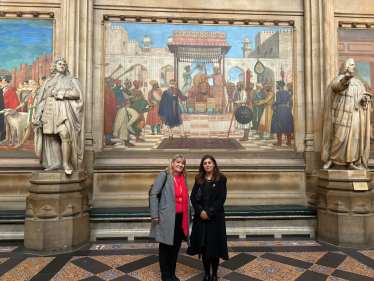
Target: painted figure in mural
[(31, 101), (282, 120), (201, 90), (250, 95), (233, 95), (127, 90), (110, 110), (139, 103), (241, 101), (42, 79), (258, 110), (117, 90), (218, 93), (2, 119), (124, 124), (187, 83), (154, 96), (59, 120), (10, 101), (169, 109), (265, 122), (347, 130)]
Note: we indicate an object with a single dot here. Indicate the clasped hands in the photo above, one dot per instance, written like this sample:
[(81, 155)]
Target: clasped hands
[(58, 94), (204, 216)]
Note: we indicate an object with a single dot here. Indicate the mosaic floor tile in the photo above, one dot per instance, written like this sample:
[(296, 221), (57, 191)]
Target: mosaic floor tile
[(354, 266), (311, 257), (222, 272), (71, 272), (26, 269), (231, 255), (7, 249), (124, 246), (264, 269), (153, 273), (333, 278), (369, 253), (322, 269), (110, 274), (117, 261), (3, 260)]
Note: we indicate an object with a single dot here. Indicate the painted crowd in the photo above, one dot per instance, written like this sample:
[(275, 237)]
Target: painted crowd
[(17, 109), (128, 110)]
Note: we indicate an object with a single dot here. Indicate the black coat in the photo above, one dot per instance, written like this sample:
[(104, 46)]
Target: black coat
[(214, 229)]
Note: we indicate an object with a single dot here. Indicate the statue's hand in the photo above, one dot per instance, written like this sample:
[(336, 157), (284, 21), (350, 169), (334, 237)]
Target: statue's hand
[(54, 92), (347, 77)]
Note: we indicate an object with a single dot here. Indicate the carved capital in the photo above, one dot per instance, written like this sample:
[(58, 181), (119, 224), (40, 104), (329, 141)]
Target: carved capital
[(35, 14), (29, 212), (231, 21), (368, 25), (354, 24), (2, 14), (52, 15), (122, 18), (138, 18), (246, 22), (47, 213), (321, 205), (106, 17), (200, 20), (71, 211), (261, 22), (291, 23), (340, 24), (153, 19), (86, 207), (361, 209), (185, 20), (338, 207), (169, 19), (276, 22), (19, 14), (216, 21)]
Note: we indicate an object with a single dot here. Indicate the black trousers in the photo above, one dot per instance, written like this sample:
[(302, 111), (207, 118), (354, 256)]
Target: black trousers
[(168, 254)]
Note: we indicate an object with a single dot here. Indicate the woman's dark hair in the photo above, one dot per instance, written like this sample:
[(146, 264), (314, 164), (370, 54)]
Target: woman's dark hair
[(200, 178)]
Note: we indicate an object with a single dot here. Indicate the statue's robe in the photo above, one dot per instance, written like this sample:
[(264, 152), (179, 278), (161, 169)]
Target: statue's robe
[(347, 131)]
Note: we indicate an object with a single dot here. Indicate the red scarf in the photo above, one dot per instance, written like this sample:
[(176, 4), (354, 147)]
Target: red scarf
[(185, 204)]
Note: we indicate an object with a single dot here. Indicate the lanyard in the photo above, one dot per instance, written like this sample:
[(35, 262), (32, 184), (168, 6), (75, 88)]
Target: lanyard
[(180, 189)]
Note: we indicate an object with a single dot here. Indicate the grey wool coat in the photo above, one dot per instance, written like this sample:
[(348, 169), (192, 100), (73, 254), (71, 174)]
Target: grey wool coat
[(164, 209)]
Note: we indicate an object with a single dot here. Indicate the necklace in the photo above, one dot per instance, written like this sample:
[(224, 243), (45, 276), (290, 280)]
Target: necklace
[(180, 189)]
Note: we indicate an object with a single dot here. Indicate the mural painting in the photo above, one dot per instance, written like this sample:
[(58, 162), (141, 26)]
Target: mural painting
[(27, 49), (359, 45), (188, 87)]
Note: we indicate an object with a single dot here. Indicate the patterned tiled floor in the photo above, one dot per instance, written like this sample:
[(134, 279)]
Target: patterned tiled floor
[(153, 141), (267, 259)]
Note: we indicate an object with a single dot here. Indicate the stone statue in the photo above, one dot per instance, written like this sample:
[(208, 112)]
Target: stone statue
[(347, 130), (59, 120)]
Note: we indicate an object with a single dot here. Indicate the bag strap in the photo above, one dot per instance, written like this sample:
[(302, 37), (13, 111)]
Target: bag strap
[(163, 185)]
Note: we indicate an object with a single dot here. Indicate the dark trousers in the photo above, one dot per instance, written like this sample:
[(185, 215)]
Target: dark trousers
[(168, 254)]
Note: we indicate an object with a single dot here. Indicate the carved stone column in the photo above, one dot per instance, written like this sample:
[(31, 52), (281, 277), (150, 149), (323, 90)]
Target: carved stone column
[(329, 41), (77, 47), (345, 208), (57, 218)]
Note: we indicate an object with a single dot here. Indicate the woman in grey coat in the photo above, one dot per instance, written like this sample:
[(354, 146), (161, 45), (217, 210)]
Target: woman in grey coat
[(170, 212)]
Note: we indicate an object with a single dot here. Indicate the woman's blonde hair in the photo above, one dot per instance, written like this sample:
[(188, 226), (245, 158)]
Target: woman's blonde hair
[(175, 158)]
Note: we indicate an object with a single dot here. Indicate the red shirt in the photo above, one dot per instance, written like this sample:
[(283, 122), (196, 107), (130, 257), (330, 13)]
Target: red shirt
[(178, 194)]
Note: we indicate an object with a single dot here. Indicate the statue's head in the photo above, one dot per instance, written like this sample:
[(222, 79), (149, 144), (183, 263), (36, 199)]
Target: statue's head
[(348, 66), (59, 65)]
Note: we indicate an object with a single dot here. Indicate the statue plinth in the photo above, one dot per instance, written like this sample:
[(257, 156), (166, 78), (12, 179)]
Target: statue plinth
[(57, 218), (344, 202)]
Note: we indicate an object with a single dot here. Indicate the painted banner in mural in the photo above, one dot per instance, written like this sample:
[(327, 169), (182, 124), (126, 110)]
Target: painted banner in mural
[(26, 54), (197, 87), (359, 45)]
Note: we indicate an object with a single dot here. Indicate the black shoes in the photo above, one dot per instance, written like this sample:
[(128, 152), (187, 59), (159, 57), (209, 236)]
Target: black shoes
[(214, 278), (206, 278), (174, 278)]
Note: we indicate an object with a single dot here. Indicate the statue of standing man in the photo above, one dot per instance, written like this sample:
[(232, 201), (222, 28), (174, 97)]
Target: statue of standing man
[(59, 120), (347, 131)]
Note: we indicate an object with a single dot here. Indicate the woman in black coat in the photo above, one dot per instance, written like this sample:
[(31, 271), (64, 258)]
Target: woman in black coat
[(208, 236)]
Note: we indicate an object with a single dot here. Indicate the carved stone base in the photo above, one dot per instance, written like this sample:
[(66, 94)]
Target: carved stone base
[(57, 218), (344, 202)]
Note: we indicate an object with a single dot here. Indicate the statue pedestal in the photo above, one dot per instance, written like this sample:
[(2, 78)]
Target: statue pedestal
[(344, 202), (57, 218)]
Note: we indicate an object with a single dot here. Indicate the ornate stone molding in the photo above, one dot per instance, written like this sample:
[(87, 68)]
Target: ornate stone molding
[(71, 211), (361, 209), (47, 213), (29, 212), (34, 14), (355, 24), (220, 21), (338, 207)]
